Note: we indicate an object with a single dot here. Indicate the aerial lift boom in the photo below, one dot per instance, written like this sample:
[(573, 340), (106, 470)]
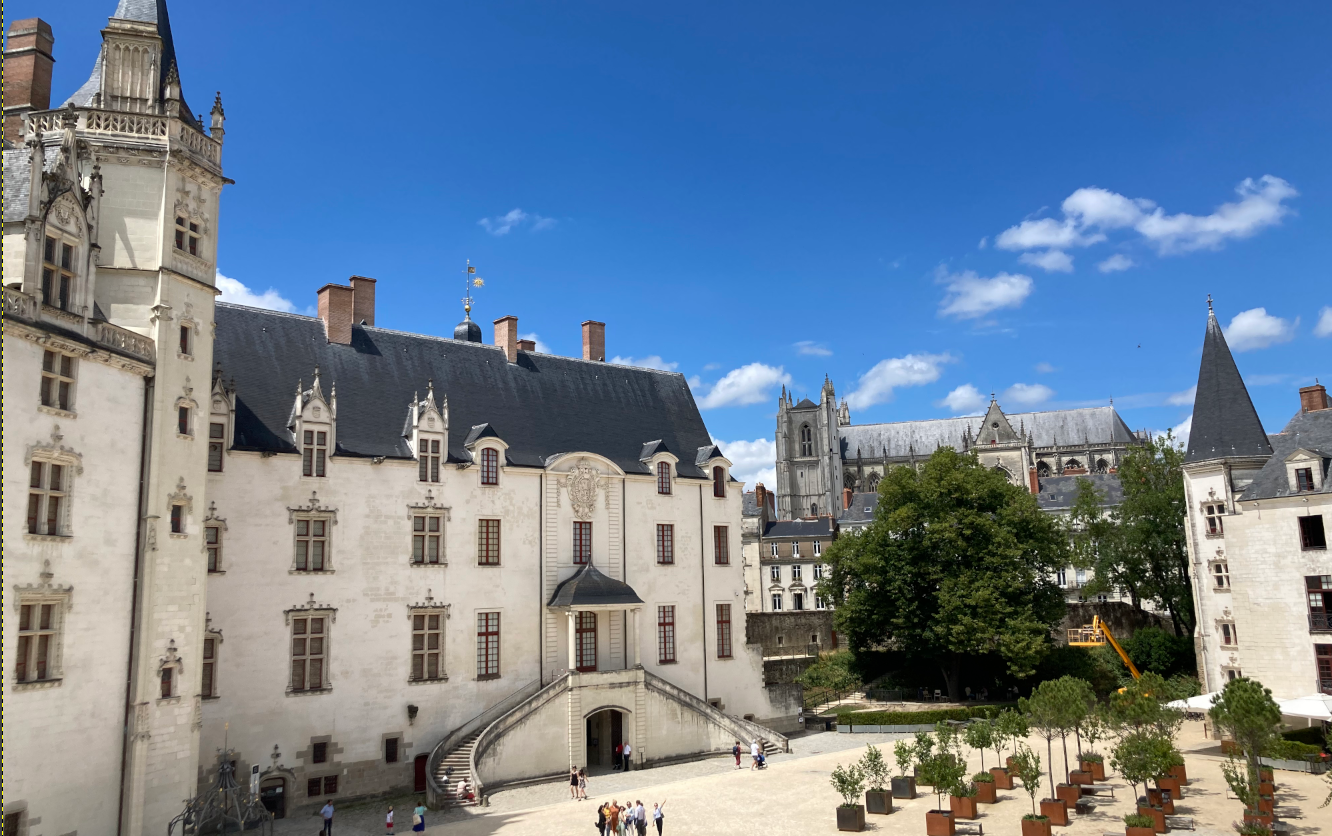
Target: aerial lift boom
[(1097, 634)]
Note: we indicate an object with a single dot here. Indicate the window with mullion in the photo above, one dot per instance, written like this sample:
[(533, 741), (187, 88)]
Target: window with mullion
[(487, 645), (721, 547), (213, 545), (308, 653), (665, 543), (428, 460), (723, 631), (208, 688), (585, 635), (663, 477), (665, 634), (1304, 480), (582, 542), (427, 646), (314, 452), (488, 542), (57, 273), (57, 380), (216, 446), (489, 466), (311, 544), (35, 656), (719, 482), (46, 497), (427, 531)]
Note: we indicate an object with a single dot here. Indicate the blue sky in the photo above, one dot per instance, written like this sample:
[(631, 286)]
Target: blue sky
[(927, 202)]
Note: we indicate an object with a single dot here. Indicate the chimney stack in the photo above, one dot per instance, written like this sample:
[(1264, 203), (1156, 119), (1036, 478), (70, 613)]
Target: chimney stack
[(363, 300), (506, 336), (336, 303), (1033, 481), (1314, 398), (594, 340), (527, 345), (28, 63), (846, 498)]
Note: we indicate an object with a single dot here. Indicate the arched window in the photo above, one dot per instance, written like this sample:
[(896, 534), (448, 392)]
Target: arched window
[(1072, 464), (1042, 468), (806, 441), (719, 482), (874, 482), (813, 510), (849, 480), (663, 477), (489, 466), (1102, 466)]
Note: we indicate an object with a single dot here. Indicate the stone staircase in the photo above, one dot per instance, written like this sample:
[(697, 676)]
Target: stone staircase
[(455, 765)]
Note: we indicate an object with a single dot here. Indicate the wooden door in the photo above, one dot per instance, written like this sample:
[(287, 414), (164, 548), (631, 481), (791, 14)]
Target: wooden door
[(273, 795), (420, 764)]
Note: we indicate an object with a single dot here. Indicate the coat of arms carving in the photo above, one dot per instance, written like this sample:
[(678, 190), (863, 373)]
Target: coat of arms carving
[(582, 484)]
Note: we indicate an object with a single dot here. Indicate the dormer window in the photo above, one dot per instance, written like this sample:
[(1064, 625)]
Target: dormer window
[(57, 272), (719, 482), (428, 470), (187, 236), (314, 452), (489, 466), (1304, 479), (664, 478)]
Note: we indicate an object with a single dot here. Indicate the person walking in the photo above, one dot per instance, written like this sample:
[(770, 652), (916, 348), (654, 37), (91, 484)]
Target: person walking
[(658, 816), (628, 750), (573, 783), (327, 813), (388, 822), (582, 785), (735, 750), (640, 818), (601, 820), (753, 755), (418, 818), (619, 759)]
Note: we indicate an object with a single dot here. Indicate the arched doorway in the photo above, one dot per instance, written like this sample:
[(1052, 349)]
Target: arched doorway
[(604, 729), (419, 765), (273, 794)]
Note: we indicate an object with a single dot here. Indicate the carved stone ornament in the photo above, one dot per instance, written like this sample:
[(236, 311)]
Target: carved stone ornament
[(141, 724), (161, 313), (582, 484), (55, 451), (197, 722), (150, 534), (313, 508), (414, 508), (44, 591), (429, 604), (179, 497), (311, 606)]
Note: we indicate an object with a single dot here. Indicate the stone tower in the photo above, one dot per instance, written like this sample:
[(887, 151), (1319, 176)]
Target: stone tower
[(809, 457)]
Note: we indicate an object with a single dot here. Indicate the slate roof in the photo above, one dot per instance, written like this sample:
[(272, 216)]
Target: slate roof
[(1098, 424), (589, 587), (541, 406), (1310, 431), (817, 527), (18, 180), (861, 509), (749, 506), (1224, 420), (805, 403), (1060, 492)]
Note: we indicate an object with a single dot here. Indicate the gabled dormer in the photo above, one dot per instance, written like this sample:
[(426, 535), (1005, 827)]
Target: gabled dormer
[(313, 426), (489, 451), (995, 429), (717, 467), (662, 464), (221, 420), (1307, 470), (427, 431)]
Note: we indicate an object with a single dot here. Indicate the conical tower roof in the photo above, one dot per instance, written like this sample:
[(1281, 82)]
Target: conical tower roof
[(1225, 424)]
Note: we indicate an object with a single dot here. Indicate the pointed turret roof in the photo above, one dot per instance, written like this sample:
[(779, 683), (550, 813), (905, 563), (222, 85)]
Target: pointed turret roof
[(1224, 420)]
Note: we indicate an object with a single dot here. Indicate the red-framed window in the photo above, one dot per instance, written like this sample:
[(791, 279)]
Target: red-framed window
[(487, 645), (582, 542), (665, 543), (585, 633), (723, 631), (488, 542), (489, 466), (719, 482), (721, 545), (663, 477), (665, 634)]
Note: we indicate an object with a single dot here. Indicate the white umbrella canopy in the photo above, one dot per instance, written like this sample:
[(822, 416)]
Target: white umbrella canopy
[(1202, 702), (1312, 707)]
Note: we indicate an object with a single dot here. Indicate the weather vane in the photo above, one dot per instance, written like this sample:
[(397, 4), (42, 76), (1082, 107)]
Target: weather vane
[(473, 280)]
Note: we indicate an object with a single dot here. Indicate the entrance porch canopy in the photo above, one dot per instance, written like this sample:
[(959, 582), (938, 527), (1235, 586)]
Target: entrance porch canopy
[(590, 589)]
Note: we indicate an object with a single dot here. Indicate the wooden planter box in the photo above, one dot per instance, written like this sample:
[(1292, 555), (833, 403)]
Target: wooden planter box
[(1258, 817), (1056, 811), (1181, 773), (986, 793), (1158, 817), (1172, 784), (904, 787), (1267, 804), (1267, 788), (1068, 793), (1035, 827), (1265, 774), (851, 818), (939, 823), (1161, 798), (1080, 777), (1002, 780), (1096, 768), (963, 807), (880, 803), (1139, 831)]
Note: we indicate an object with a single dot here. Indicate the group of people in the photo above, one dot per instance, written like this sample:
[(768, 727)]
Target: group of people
[(418, 819), (757, 760), (629, 820), (577, 784)]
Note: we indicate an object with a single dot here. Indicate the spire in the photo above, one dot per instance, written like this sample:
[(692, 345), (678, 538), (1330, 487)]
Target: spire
[(1224, 420)]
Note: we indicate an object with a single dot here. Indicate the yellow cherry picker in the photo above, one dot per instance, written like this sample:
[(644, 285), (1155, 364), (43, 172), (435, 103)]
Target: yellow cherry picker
[(1097, 634)]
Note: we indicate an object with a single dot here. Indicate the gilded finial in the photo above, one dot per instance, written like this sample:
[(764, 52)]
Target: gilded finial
[(473, 280)]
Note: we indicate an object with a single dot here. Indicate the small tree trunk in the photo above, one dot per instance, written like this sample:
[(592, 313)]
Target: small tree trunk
[(1077, 735), (1049, 757), (1064, 739)]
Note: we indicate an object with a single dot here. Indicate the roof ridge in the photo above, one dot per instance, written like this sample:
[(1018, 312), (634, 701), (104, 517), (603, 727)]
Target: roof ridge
[(980, 415)]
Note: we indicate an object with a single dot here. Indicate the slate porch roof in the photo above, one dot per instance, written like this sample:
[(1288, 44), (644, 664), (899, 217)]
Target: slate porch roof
[(861, 509), (589, 587), (541, 406)]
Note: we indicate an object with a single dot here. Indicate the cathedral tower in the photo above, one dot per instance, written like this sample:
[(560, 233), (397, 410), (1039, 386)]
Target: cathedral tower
[(809, 455)]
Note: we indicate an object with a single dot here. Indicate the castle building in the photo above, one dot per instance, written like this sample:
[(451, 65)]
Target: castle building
[(352, 560), (1258, 511)]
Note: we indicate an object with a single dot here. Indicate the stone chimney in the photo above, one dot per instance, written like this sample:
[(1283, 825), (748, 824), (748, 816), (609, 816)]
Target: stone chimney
[(336, 303), (363, 300), (1033, 481), (527, 345), (846, 498), (1314, 398), (594, 340), (506, 336), (28, 62)]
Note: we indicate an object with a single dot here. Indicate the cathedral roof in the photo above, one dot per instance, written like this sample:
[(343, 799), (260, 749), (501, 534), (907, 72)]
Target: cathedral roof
[(1310, 431), (540, 406), (1067, 427), (1224, 420), (589, 587), (805, 403)]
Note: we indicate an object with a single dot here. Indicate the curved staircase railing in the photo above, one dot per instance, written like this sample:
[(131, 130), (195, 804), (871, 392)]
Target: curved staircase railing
[(435, 794), (507, 720), (741, 729)]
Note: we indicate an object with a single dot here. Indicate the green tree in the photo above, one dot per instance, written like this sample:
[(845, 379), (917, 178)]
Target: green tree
[(874, 767), (1027, 769), (957, 563), (1153, 649), (1142, 755), (1047, 715), (1151, 519), (832, 672), (849, 782), (1247, 713), (1010, 728), (980, 735), (1097, 544)]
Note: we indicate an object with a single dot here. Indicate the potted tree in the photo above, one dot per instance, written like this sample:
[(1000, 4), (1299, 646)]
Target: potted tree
[(849, 782), (942, 770), (1026, 765), (921, 750), (962, 799), (875, 769), (1046, 715), (1246, 712), (904, 785), (1080, 704), (979, 735), (1136, 824), (1139, 756), (1009, 728), (985, 789)]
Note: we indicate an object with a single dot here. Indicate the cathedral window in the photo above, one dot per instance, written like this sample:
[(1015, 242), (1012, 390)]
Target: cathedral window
[(1102, 466), (187, 236), (57, 389), (487, 645), (488, 542), (428, 646), (314, 452), (806, 441), (723, 631), (427, 538), (311, 545), (213, 545), (428, 460), (665, 634), (57, 272), (665, 544), (489, 466), (48, 491), (721, 547), (1042, 469), (309, 652), (663, 477), (1213, 515), (37, 656), (1312, 535), (719, 482)]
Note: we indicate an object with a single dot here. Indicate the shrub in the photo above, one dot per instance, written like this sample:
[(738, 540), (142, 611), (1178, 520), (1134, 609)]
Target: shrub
[(1137, 820), (982, 778), (875, 768), (1153, 649), (1093, 757), (1252, 829), (965, 789), (849, 782), (904, 754), (916, 718), (1291, 750), (1313, 735)]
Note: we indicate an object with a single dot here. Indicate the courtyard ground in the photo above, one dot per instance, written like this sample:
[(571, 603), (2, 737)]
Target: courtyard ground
[(794, 796)]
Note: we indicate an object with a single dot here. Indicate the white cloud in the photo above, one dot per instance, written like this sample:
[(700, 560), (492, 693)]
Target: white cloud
[(1324, 326), (652, 361), (813, 349), (237, 293), (1044, 368), (877, 384), (1184, 398), (1052, 261), (743, 386), (1180, 431), (540, 346), (1115, 264), (964, 399), (752, 461), (514, 218), (984, 242), (695, 382), (1255, 328), (971, 296), (1045, 232), (1028, 394)]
